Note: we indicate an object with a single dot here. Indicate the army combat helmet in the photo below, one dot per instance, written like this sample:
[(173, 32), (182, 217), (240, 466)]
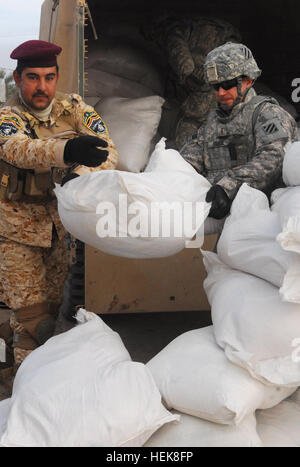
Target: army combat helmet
[(230, 61)]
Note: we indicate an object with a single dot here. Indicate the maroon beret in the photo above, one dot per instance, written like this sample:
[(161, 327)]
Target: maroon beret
[(36, 53)]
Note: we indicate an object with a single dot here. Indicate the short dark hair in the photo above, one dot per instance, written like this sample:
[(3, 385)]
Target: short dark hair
[(21, 67)]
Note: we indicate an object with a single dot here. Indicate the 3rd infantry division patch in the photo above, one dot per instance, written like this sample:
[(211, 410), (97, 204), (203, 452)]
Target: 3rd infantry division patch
[(94, 122), (9, 126)]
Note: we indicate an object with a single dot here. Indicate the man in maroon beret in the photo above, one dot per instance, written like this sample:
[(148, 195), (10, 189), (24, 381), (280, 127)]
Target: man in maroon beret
[(43, 135)]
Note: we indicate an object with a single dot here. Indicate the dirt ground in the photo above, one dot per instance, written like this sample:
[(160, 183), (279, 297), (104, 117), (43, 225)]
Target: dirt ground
[(144, 334)]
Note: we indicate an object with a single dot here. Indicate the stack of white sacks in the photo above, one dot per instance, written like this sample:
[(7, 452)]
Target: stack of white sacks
[(250, 358), (231, 384)]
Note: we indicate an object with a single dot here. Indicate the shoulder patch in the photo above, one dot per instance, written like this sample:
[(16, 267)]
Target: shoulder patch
[(272, 130), (9, 126), (94, 122)]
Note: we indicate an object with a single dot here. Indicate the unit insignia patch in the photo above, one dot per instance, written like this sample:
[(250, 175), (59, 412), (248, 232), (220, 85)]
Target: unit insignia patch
[(94, 122), (9, 126)]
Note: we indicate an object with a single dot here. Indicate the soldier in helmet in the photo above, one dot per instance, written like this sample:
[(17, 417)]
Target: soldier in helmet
[(244, 138), (44, 135)]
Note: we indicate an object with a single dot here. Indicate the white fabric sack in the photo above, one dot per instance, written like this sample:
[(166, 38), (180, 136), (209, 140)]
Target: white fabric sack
[(126, 61), (104, 85), (82, 389), (132, 124), (193, 432), (254, 327), (287, 206), (248, 240), (195, 377), (291, 165), (4, 412), (280, 426), (136, 233)]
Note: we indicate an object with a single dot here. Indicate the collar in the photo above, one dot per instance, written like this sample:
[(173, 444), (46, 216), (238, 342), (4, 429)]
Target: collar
[(59, 105)]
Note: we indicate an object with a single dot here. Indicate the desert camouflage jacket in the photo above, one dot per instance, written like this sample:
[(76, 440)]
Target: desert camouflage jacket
[(29, 143), (246, 146)]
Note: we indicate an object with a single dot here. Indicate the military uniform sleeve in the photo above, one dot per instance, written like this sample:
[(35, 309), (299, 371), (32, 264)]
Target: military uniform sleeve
[(273, 129), (179, 54), (19, 149), (193, 151), (88, 122)]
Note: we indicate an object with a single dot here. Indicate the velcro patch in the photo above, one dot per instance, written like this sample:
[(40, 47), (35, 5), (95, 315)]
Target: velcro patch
[(9, 126), (272, 130), (94, 122)]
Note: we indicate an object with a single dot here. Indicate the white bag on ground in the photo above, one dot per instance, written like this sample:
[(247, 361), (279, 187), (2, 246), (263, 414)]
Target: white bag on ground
[(280, 426), (142, 222), (287, 206), (291, 165), (195, 377), (193, 432), (254, 327), (82, 389), (248, 240), (132, 124)]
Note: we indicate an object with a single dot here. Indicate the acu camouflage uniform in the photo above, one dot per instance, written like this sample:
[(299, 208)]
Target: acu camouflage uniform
[(244, 143), (187, 42), (33, 257)]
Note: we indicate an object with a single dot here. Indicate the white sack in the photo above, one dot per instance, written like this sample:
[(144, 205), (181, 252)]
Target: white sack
[(195, 377), (126, 61), (280, 426), (286, 203), (291, 165), (78, 206), (248, 240), (254, 327), (193, 432), (132, 124), (4, 412), (103, 85), (82, 389)]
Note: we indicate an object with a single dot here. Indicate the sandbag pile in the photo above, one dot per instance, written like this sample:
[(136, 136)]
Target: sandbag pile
[(249, 360), (81, 389), (122, 213), (122, 68)]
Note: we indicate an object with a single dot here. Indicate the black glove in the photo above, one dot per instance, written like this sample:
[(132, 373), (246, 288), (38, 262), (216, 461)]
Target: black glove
[(68, 177), (220, 202), (83, 150)]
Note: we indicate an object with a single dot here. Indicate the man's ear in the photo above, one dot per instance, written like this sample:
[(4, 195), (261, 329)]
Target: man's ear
[(17, 78), (248, 81)]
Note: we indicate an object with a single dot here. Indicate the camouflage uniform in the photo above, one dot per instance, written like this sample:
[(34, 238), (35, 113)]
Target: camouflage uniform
[(244, 144), (187, 42), (33, 258)]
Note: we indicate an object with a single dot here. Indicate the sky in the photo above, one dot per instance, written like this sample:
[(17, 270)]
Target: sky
[(19, 22)]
